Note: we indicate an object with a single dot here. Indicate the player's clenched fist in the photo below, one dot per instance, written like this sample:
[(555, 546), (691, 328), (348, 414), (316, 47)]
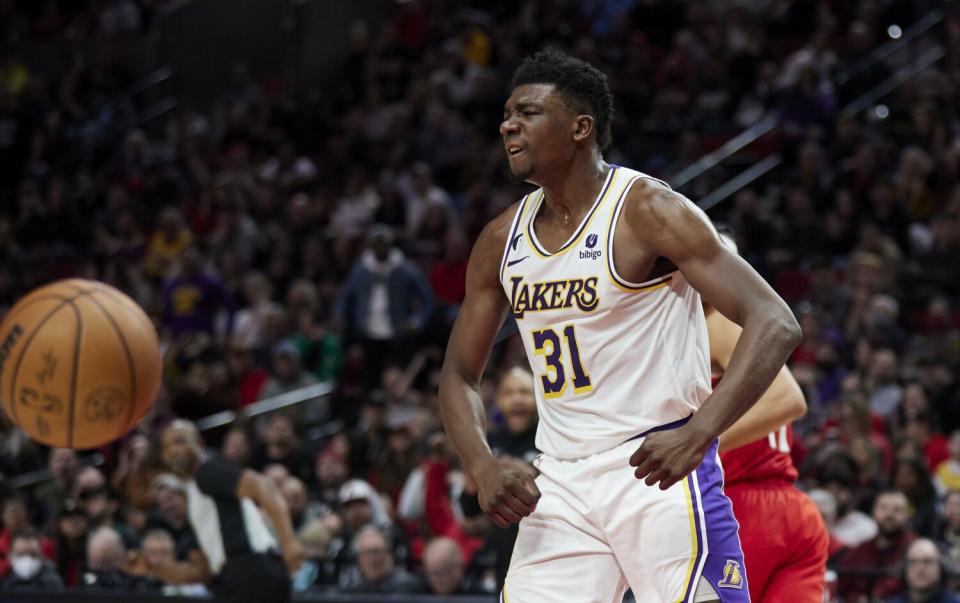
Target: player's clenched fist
[(668, 456), (507, 494)]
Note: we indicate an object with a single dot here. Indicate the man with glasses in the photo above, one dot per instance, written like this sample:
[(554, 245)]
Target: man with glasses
[(924, 575)]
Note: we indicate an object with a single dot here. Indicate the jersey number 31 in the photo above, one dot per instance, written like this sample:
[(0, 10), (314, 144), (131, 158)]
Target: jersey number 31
[(547, 343)]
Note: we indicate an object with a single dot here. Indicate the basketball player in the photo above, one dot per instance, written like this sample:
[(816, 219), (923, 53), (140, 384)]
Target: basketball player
[(785, 541), (603, 268)]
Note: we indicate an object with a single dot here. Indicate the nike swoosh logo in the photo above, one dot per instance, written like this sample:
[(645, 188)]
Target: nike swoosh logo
[(512, 262)]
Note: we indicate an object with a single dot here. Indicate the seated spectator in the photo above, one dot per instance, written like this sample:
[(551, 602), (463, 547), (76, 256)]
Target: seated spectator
[(170, 513), (924, 575), (873, 568), (443, 568), (106, 556), (30, 569), (236, 446), (852, 527), (53, 495), (281, 445), (376, 570), (318, 569), (133, 477), (947, 473), (360, 506), (288, 373), (15, 520), (70, 535), (948, 536), (158, 549), (911, 477), (302, 511), (827, 505)]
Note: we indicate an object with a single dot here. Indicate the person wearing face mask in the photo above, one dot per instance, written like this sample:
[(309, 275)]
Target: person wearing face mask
[(30, 570)]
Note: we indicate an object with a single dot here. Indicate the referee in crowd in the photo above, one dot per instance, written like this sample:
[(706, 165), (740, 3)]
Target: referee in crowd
[(238, 555)]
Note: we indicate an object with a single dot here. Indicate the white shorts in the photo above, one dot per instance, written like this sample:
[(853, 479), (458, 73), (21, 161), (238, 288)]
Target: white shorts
[(598, 529)]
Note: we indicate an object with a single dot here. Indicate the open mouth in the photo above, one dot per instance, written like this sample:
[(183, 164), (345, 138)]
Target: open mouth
[(514, 150)]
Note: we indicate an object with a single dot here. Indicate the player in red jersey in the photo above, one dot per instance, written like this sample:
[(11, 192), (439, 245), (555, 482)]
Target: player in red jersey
[(783, 536)]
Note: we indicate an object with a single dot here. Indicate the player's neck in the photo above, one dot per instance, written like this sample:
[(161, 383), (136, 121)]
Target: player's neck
[(570, 194)]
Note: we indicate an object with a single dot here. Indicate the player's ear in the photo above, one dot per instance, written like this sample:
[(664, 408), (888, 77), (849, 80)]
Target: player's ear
[(582, 128)]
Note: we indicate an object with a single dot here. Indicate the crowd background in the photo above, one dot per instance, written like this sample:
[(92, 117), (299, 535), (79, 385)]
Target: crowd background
[(281, 240)]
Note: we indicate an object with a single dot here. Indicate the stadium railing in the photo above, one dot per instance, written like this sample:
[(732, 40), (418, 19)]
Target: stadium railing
[(220, 419), (910, 38)]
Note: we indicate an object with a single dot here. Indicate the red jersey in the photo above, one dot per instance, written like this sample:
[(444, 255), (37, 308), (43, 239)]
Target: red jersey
[(764, 460)]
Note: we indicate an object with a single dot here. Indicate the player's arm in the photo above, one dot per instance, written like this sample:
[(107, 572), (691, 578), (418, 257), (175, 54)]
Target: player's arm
[(673, 227), (257, 488), (504, 496), (192, 570), (779, 405)]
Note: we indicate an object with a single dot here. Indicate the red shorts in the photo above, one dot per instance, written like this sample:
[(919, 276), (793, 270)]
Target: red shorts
[(784, 542)]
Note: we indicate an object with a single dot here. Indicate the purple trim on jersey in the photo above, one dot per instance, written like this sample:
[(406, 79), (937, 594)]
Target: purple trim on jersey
[(664, 427), (723, 543), (698, 530)]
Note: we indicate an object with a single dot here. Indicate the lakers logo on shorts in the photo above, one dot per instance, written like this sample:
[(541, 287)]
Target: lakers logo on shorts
[(732, 578)]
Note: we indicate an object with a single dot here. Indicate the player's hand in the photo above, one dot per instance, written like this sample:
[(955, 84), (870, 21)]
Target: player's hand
[(668, 456), (506, 494), (293, 555)]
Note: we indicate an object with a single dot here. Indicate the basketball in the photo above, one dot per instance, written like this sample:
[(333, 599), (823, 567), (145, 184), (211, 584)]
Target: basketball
[(79, 364)]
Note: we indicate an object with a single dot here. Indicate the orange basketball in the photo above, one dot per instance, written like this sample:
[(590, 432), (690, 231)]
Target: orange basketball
[(79, 364)]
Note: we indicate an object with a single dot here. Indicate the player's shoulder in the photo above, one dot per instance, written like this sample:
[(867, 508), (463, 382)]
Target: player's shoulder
[(654, 208)]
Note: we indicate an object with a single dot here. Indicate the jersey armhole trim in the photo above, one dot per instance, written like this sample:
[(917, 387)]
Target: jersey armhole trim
[(620, 282), (513, 232)]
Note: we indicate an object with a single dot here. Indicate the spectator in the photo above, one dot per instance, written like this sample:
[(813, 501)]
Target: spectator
[(134, 474), (376, 570), (873, 569), (827, 505), (852, 527), (170, 513), (158, 550), (193, 299), (288, 373), (514, 443), (54, 494), (15, 521), (911, 477), (443, 568), (31, 569), (281, 445), (236, 446), (948, 537), (70, 543), (947, 473), (302, 512), (319, 569), (106, 555), (385, 302), (925, 575)]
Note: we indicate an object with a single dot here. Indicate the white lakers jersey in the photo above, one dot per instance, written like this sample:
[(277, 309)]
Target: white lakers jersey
[(611, 358)]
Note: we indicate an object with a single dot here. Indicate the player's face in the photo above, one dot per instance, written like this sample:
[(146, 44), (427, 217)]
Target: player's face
[(537, 131)]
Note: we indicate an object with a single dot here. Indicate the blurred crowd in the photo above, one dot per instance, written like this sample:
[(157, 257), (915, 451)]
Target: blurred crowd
[(280, 242)]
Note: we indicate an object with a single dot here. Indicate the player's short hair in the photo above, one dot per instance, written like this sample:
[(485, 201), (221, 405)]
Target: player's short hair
[(583, 86)]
